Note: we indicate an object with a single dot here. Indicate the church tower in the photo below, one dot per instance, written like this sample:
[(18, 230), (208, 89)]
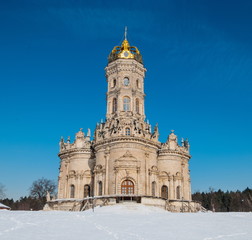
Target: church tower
[(125, 77), (125, 95), (125, 140)]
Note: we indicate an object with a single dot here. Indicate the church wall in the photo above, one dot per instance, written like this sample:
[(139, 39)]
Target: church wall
[(100, 171), (171, 164), (133, 167), (62, 180), (152, 174), (76, 172), (187, 180)]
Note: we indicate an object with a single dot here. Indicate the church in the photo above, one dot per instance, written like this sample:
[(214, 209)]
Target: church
[(124, 160)]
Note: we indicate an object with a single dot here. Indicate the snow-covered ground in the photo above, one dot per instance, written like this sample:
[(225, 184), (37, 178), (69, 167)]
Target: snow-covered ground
[(124, 221)]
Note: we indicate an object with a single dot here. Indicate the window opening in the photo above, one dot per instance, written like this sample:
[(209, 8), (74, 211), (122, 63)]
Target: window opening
[(100, 188), (137, 105), (86, 191), (72, 191), (127, 131), (114, 108), (126, 104), (153, 191), (127, 187)]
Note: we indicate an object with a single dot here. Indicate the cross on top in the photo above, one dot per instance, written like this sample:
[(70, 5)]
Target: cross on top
[(125, 33)]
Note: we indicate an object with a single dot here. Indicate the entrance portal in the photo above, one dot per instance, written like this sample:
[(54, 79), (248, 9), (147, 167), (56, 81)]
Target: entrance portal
[(127, 187)]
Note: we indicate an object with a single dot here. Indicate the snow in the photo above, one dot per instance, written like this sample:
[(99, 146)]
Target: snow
[(3, 206), (124, 221)]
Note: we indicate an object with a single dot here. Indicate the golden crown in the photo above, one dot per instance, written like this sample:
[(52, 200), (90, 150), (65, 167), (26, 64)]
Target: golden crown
[(125, 51)]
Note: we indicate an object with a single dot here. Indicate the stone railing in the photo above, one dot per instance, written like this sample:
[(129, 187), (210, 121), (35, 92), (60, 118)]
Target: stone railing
[(92, 202)]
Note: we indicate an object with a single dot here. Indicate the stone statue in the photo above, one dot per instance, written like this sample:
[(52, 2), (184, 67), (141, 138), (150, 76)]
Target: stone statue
[(88, 133), (182, 142), (48, 197), (186, 144), (62, 144), (156, 132)]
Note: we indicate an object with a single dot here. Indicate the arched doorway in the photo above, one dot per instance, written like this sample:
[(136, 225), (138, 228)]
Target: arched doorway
[(127, 187), (164, 192)]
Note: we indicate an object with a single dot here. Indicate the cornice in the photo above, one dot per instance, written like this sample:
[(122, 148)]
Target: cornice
[(175, 152), (122, 65), (75, 151), (122, 139)]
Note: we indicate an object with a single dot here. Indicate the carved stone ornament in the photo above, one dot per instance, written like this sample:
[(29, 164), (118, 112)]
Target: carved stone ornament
[(127, 161)]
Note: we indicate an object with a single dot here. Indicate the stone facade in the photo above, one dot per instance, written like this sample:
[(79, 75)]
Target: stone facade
[(125, 157)]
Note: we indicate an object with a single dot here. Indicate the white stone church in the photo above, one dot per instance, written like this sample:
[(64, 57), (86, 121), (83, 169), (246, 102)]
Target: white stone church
[(125, 161)]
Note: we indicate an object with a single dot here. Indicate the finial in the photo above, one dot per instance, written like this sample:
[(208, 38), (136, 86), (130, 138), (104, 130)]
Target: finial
[(81, 129), (88, 132), (172, 131), (125, 33)]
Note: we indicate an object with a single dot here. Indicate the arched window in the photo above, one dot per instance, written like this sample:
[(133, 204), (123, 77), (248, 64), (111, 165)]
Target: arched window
[(127, 131), (153, 189), (164, 192), (178, 192), (100, 188), (114, 108), (126, 81), (137, 105), (127, 187), (86, 191), (126, 104), (137, 83), (72, 191), (114, 82)]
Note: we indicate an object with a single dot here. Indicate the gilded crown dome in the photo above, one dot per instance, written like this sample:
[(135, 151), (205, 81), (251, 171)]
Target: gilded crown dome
[(125, 51)]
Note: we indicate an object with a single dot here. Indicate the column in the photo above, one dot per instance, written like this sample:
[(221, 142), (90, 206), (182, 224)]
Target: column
[(94, 185), (106, 176), (171, 188), (138, 180)]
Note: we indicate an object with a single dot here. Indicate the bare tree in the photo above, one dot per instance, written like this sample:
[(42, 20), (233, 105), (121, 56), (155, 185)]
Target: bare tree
[(2, 191), (40, 188)]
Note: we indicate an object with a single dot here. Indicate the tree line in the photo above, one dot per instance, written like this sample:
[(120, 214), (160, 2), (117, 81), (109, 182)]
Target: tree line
[(229, 201), (36, 199)]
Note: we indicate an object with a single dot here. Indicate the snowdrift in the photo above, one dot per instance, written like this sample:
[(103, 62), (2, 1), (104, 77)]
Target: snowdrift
[(124, 221)]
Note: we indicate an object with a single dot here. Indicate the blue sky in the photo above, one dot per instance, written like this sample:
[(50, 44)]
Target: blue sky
[(198, 56)]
